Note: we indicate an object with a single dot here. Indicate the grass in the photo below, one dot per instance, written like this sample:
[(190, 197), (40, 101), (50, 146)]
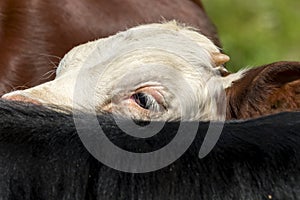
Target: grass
[(257, 32)]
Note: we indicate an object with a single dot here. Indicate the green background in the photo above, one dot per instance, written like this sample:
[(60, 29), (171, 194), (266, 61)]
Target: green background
[(257, 32)]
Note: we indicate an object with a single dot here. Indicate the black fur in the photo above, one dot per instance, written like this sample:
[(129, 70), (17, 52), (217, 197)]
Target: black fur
[(42, 157)]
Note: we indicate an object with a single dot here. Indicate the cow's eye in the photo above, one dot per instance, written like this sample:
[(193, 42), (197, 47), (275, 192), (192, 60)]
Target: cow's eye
[(145, 101)]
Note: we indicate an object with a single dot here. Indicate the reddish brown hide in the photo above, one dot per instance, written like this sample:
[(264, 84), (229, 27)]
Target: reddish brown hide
[(34, 35), (265, 90)]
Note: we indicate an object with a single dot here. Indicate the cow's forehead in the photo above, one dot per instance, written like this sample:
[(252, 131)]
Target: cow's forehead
[(166, 30), (168, 39)]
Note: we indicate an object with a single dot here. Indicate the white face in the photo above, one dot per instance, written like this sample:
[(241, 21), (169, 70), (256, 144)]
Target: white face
[(156, 71)]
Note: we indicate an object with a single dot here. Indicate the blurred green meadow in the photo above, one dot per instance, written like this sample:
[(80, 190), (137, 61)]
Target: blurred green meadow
[(257, 32)]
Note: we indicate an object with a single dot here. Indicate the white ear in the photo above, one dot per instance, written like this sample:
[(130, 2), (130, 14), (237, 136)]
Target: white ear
[(219, 58)]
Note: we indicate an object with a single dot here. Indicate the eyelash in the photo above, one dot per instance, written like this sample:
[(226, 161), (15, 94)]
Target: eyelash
[(146, 101)]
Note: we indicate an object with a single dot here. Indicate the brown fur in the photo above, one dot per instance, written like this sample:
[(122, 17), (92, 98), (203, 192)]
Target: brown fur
[(265, 90), (34, 35)]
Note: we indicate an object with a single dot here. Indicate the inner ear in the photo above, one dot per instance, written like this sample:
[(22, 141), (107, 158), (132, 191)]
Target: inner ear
[(286, 92), (286, 76), (265, 90)]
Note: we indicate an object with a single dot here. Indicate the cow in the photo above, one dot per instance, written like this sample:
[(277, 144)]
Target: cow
[(42, 157), (165, 71), (34, 35)]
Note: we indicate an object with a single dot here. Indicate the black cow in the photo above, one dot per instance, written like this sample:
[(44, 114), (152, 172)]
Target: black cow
[(42, 157)]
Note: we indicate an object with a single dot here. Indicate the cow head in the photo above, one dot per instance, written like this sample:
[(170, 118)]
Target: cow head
[(164, 72), (144, 72)]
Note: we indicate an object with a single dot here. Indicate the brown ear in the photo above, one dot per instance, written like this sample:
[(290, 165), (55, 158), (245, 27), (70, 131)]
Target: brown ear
[(265, 90)]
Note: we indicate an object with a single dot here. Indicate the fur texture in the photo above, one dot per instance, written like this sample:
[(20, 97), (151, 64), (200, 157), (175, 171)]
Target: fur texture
[(42, 157)]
